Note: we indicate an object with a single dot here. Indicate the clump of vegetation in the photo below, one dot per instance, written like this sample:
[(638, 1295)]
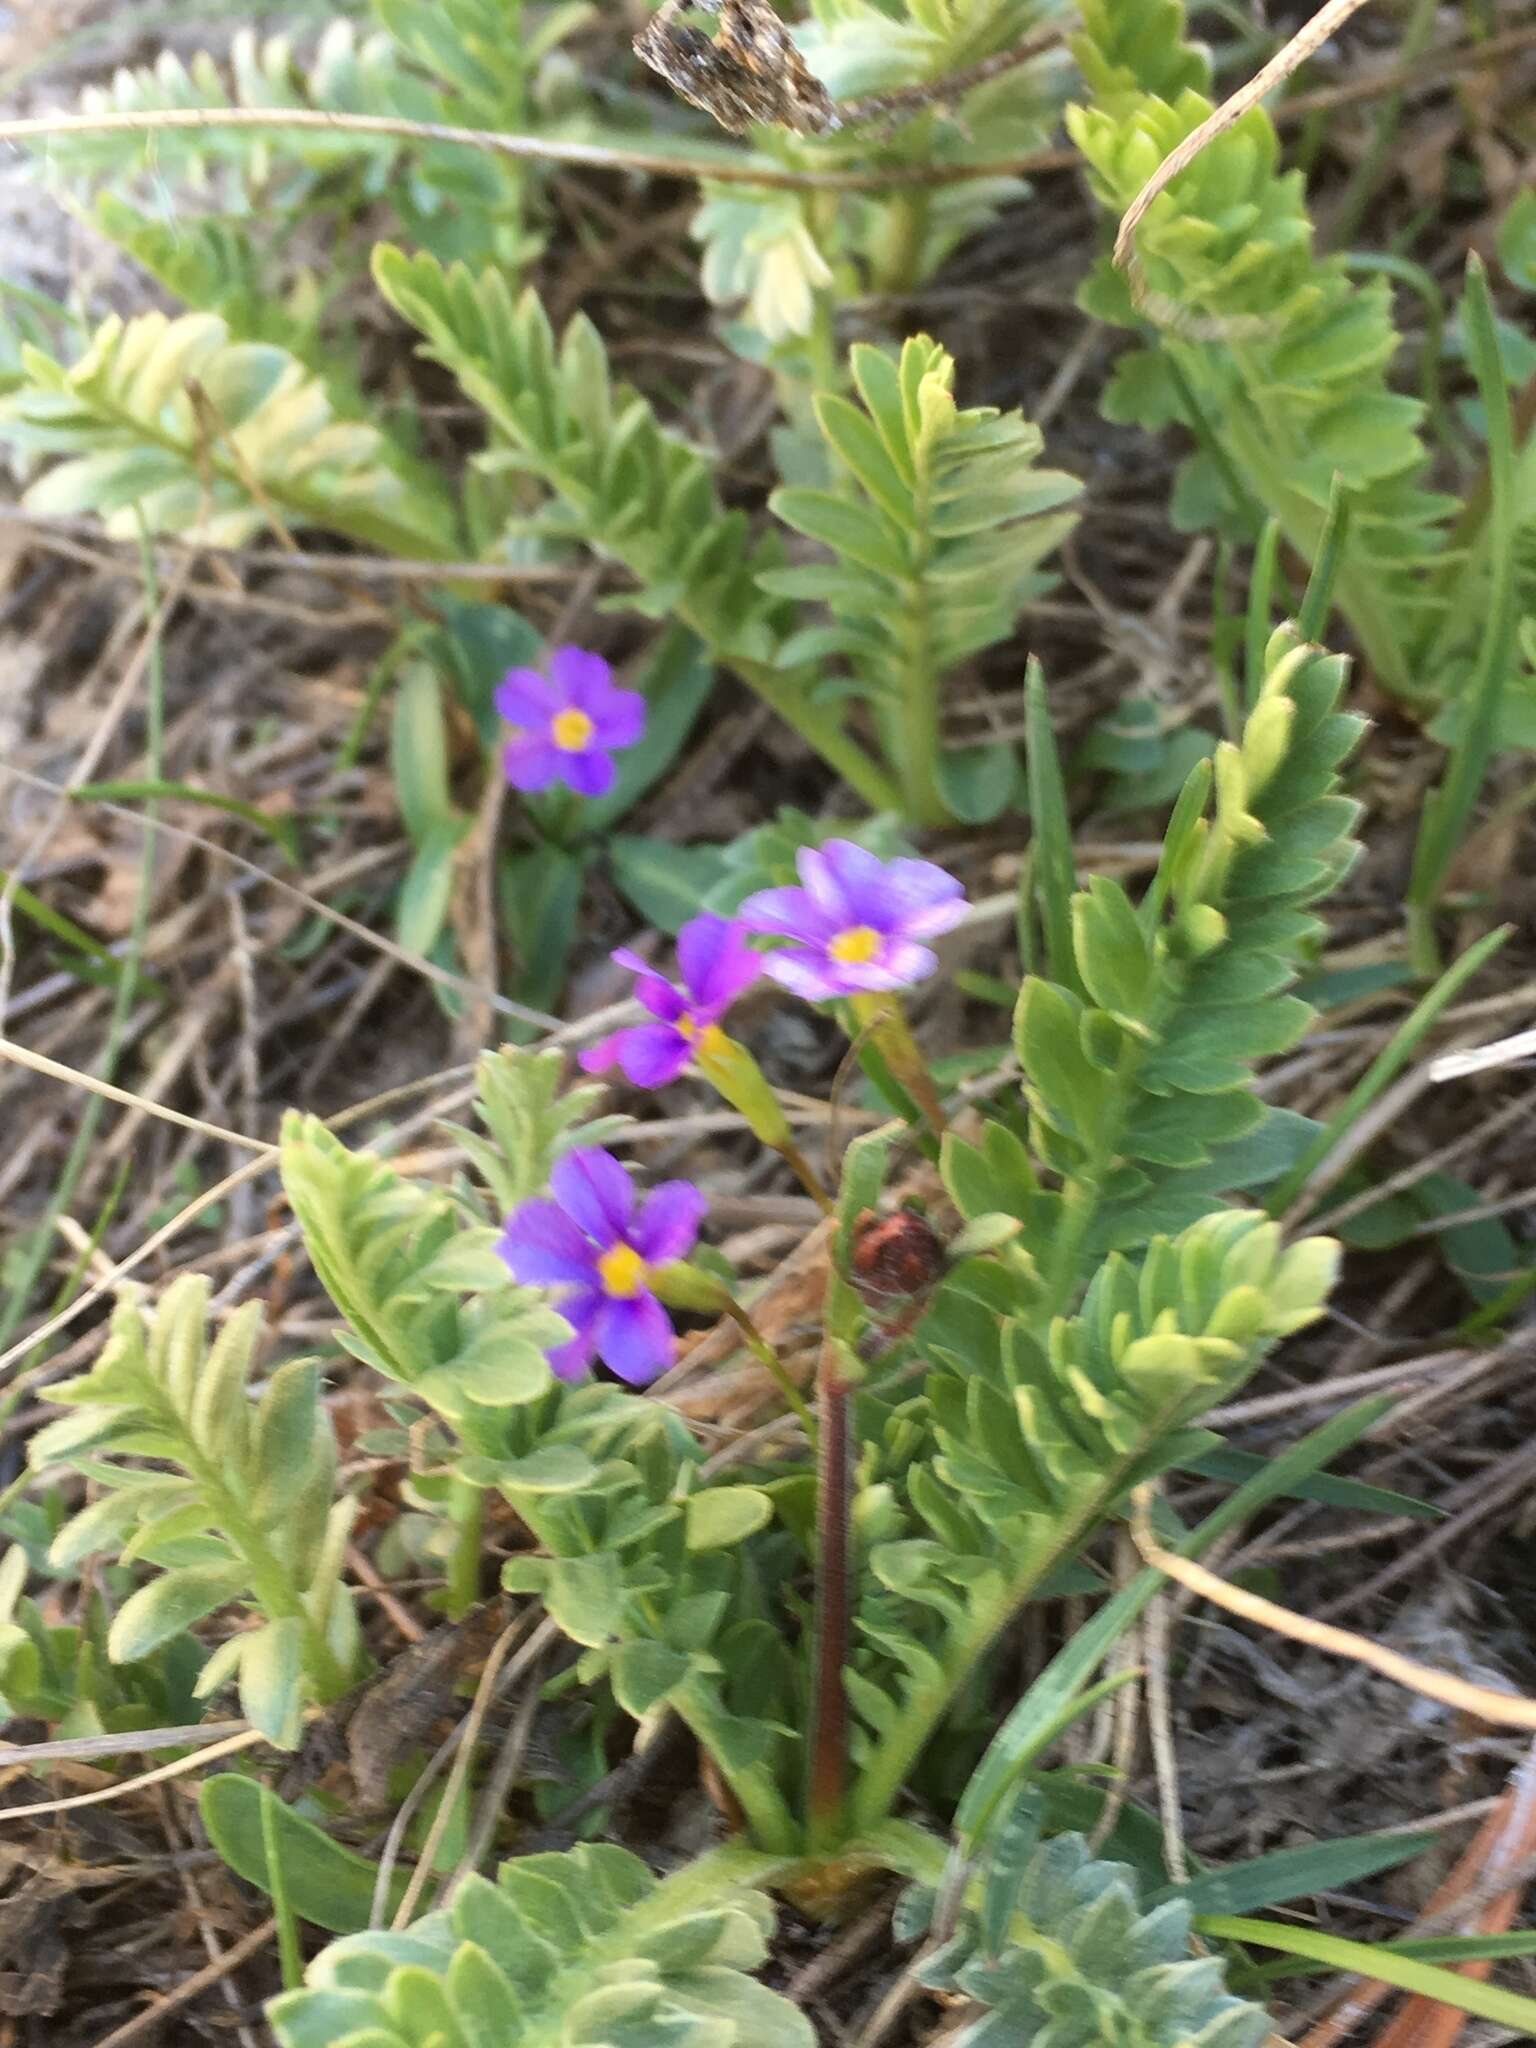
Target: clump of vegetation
[(1048, 1219)]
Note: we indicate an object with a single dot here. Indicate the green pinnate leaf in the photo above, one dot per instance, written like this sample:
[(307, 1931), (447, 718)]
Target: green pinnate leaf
[(879, 385), (1056, 1931), (283, 1451), (1065, 1088), (850, 529), (1281, 353), (644, 1674), (177, 425), (375, 1240), (217, 1416), (242, 1516), (531, 1120)]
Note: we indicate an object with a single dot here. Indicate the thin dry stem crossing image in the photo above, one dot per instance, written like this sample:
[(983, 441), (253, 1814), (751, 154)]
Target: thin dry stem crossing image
[(767, 1239)]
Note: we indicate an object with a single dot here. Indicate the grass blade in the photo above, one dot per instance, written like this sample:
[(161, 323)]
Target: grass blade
[(1318, 601), (1050, 873), (1386, 1965), (282, 830)]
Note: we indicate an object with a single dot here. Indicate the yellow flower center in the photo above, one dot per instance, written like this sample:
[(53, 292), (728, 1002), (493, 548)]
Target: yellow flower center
[(687, 1027), (571, 731), (855, 947), (713, 1041), (622, 1272)]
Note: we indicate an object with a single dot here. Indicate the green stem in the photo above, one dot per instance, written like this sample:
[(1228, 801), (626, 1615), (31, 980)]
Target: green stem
[(1448, 813), (827, 1779), (466, 1518), (901, 268), (290, 1954), (773, 1365), (275, 1593), (896, 258), (918, 740), (806, 1174), (770, 1823)]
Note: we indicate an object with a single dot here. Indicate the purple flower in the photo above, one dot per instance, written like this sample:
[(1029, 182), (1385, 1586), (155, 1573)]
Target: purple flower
[(717, 964), (593, 1240), (569, 724), (857, 923)]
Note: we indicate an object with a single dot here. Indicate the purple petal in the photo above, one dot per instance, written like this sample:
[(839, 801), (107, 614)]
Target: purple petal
[(830, 873), (649, 1055), (811, 976), (920, 900), (660, 996), (597, 1059), (544, 1248), (634, 1338), (789, 911), (525, 697), (717, 961), (589, 774), (595, 1192), (668, 1225), (531, 762), (572, 1361), (619, 716), (575, 673), (899, 964)]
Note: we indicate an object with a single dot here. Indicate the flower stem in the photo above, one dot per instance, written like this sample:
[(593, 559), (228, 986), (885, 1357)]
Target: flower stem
[(806, 1174), (886, 1022), (774, 1366), (828, 1780)]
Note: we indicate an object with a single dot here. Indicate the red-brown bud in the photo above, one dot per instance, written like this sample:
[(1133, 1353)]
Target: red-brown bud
[(895, 1257)]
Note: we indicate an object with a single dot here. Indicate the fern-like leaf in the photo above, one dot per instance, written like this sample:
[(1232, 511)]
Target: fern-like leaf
[(937, 549), (173, 423), (1139, 1058), (249, 169), (584, 1946), (425, 1301), (530, 1122), (1059, 1950), (1274, 351), (1028, 1442), (622, 484), (245, 1512)]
